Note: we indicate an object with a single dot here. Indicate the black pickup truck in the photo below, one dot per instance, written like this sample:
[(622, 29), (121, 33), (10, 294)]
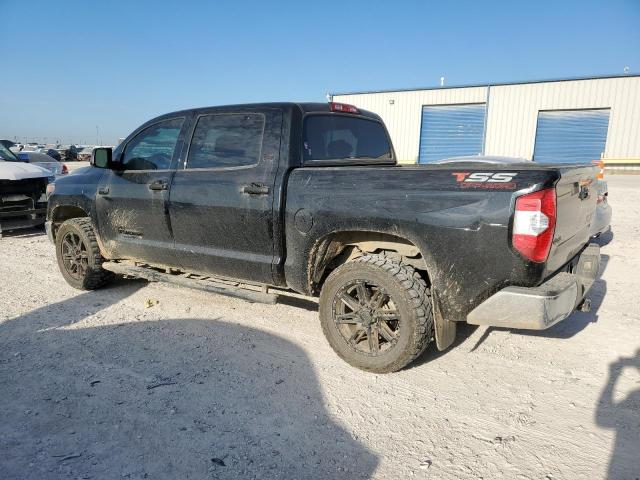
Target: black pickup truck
[(259, 200)]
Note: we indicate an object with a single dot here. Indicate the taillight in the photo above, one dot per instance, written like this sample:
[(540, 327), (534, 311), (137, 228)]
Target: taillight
[(64, 169), (534, 223), (342, 107)]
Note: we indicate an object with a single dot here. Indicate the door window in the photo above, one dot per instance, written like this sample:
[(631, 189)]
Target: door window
[(152, 149), (226, 140)]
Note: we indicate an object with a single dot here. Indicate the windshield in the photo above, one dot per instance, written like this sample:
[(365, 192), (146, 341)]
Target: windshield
[(7, 155), (331, 137)]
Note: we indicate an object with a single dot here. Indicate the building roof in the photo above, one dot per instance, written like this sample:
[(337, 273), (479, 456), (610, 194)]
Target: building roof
[(445, 87)]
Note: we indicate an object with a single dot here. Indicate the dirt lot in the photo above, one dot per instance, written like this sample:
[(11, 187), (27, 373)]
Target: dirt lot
[(95, 385)]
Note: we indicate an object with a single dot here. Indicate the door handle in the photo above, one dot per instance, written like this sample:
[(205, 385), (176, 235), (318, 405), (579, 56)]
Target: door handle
[(256, 189), (103, 191), (159, 185)]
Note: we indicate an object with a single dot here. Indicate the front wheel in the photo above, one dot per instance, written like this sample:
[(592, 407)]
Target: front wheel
[(376, 313), (78, 255)]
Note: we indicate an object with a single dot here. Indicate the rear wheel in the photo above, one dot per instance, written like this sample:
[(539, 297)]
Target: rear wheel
[(376, 313), (78, 254)]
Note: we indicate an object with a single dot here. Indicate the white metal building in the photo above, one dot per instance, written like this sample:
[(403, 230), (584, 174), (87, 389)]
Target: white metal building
[(572, 120)]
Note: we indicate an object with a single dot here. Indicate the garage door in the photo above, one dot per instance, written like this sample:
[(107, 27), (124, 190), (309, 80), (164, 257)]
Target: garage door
[(572, 136), (451, 131)]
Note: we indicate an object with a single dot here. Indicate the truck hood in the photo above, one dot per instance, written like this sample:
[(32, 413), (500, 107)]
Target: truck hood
[(21, 171)]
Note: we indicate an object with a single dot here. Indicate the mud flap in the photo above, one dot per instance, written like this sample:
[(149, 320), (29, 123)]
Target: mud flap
[(445, 330)]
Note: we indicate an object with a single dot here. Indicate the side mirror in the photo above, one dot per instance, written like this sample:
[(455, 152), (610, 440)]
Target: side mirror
[(101, 158)]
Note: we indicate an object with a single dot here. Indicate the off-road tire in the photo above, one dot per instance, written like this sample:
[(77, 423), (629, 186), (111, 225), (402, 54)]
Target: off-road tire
[(411, 298), (94, 276)]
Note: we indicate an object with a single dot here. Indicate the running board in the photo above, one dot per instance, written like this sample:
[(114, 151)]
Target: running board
[(208, 284)]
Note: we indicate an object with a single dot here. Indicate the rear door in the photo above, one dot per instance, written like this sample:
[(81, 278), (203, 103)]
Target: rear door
[(132, 203), (222, 195)]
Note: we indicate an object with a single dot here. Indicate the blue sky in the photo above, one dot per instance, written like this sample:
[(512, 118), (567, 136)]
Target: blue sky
[(70, 66)]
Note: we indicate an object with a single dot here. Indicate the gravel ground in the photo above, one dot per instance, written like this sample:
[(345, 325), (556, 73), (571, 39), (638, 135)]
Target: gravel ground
[(95, 385)]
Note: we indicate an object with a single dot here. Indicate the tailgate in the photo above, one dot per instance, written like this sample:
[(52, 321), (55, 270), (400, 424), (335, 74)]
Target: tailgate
[(576, 196)]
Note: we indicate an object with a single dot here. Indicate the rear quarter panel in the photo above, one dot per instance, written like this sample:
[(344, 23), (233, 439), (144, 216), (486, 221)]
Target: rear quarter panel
[(463, 233)]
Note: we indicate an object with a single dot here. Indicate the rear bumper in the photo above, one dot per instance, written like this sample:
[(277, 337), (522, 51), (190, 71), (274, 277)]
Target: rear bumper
[(540, 307)]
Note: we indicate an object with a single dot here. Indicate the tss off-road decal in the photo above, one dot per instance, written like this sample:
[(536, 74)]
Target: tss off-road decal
[(489, 180)]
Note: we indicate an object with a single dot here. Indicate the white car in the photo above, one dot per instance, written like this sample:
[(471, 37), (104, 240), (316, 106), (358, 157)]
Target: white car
[(23, 199), (45, 161), (85, 154)]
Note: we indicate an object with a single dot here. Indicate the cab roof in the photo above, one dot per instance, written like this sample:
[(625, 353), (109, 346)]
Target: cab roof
[(302, 107)]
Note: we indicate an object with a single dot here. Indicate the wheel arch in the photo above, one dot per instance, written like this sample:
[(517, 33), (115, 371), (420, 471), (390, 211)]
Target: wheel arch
[(62, 213), (339, 247)]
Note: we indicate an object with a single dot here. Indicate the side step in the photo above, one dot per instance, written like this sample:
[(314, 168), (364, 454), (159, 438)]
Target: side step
[(208, 284)]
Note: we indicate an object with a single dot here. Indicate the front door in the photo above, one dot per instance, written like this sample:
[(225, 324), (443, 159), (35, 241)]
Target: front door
[(221, 201), (132, 201)]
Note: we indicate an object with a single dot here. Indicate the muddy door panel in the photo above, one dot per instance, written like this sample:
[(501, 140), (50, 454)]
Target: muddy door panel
[(221, 203), (132, 203), (132, 216)]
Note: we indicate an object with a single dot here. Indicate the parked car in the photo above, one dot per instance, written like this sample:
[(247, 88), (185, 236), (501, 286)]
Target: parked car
[(308, 198), (17, 147), (45, 161), (84, 155), (67, 152), (23, 186), (52, 152)]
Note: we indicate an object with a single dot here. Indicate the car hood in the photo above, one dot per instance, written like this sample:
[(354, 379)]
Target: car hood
[(20, 171)]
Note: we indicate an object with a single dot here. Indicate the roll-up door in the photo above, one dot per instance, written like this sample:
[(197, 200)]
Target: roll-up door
[(571, 136), (451, 131)]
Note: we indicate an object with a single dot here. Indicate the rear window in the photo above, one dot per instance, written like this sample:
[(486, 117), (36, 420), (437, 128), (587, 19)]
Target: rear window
[(336, 137), (226, 140)]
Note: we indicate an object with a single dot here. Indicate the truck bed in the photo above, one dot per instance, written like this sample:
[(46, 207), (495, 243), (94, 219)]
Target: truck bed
[(462, 231)]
